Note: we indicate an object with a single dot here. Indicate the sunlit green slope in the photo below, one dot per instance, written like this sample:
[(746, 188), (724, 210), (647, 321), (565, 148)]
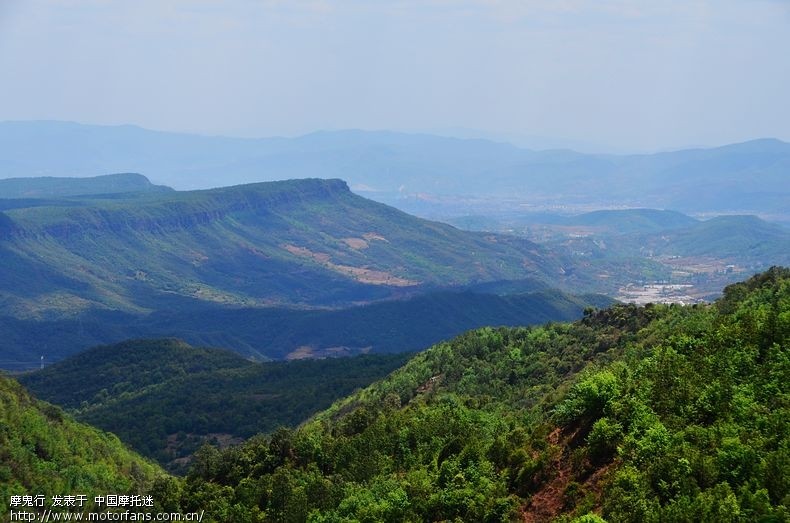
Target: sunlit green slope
[(660, 413), (43, 451)]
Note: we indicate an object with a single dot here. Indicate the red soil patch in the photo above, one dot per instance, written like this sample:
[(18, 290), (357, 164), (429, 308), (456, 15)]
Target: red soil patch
[(549, 502)]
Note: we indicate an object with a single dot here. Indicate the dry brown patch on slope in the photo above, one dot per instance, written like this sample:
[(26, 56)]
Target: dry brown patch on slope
[(308, 352), (255, 251), (372, 277), (196, 258), (304, 252), (361, 274), (370, 236), (301, 353), (547, 502), (356, 243)]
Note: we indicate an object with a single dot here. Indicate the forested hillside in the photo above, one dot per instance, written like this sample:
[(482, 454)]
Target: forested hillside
[(655, 413), (44, 452), (165, 398), (284, 333)]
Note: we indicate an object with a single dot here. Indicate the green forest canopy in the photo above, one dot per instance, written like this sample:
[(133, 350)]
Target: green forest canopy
[(655, 413)]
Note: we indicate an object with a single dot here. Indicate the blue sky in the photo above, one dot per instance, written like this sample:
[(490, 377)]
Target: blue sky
[(622, 75)]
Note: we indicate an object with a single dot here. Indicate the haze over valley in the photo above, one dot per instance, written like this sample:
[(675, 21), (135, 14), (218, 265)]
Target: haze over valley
[(427, 175)]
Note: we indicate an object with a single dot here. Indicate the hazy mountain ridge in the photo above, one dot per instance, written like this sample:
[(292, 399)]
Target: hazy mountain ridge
[(737, 239), (632, 220), (609, 221), (729, 237), (397, 168)]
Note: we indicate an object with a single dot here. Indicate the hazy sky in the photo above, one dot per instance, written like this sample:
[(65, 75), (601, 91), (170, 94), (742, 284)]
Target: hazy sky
[(625, 74)]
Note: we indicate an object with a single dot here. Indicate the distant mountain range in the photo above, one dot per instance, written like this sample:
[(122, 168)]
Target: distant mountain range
[(412, 171), (745, 238)]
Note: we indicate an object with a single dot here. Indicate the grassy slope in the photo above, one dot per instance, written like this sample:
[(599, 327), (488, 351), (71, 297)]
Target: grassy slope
[(304, 242), (638, 414)]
